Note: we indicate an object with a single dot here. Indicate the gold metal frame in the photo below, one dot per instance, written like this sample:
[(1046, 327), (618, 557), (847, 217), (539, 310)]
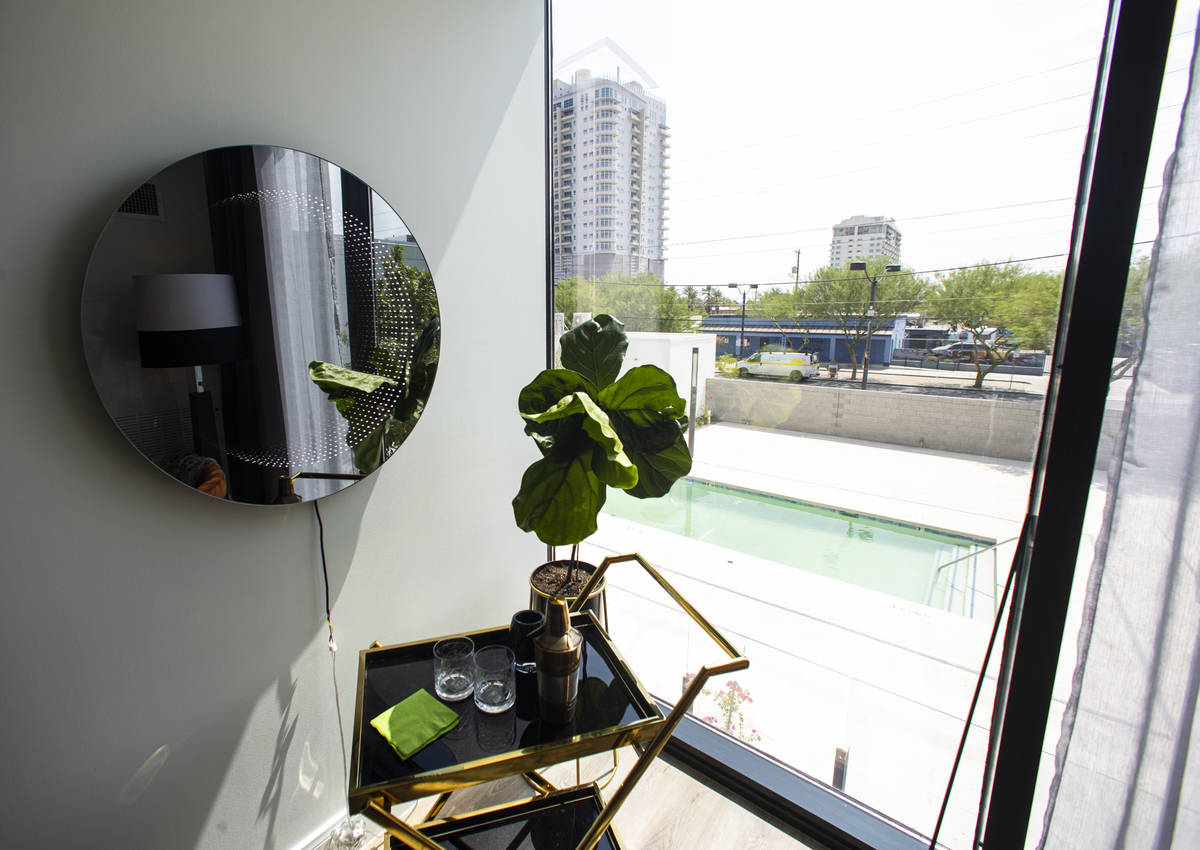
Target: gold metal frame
[(655, 746), (647, 737), (590, 787)]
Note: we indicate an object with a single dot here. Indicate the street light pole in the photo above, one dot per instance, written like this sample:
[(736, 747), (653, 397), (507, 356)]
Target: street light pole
[(744, 288), (862, 267)]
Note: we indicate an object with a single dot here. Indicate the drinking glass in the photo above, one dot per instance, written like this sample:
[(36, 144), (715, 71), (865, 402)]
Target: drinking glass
[(454, 668), (495, 685)]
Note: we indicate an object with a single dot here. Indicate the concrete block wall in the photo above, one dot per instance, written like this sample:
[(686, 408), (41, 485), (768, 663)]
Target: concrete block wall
[(1003, 427)]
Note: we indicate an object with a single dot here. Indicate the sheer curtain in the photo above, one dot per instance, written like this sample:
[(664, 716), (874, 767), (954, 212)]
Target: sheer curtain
[(1127, 761), (300, 236)]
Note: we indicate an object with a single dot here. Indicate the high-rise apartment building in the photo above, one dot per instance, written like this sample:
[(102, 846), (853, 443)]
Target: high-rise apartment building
[(864, 237), (609, 148)]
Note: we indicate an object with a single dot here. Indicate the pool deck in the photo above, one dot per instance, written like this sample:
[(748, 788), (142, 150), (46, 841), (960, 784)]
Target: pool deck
[(833, 666), (967, 494)]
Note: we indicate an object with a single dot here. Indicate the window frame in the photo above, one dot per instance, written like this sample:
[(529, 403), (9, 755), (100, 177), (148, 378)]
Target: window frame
[(1112, 173)]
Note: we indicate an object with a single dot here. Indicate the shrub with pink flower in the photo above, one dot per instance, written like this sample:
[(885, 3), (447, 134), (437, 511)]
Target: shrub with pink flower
[(728, 701)]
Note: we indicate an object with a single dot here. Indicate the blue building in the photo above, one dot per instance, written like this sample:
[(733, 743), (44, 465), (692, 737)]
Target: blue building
[(822, 337)]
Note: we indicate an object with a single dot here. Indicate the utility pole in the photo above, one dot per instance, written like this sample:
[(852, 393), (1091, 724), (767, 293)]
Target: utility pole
[(743, 288), (796, 268), (862, 267)]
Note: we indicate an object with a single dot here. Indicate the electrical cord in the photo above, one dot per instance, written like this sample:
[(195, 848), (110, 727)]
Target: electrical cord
[(337, 696)]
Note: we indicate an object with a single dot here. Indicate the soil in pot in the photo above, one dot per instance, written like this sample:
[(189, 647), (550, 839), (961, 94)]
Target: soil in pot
[(550, 580)]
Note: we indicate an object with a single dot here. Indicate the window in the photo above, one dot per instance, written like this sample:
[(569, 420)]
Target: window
[(880, 675)]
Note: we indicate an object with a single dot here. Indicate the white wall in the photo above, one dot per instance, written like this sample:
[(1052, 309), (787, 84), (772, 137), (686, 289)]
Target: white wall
[(166, 680), (673, 354)]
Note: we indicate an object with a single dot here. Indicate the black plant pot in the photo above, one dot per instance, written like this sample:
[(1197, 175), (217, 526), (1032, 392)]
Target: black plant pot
[(540, 596)]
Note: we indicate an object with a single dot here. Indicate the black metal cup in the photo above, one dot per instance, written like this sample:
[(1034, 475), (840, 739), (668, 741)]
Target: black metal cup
[(525, 624)]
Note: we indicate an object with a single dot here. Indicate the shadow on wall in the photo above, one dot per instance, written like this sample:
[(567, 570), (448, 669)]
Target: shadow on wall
[(268, 807)]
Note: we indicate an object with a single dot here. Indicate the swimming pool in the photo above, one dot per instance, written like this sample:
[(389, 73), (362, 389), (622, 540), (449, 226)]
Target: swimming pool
[(881, 554)]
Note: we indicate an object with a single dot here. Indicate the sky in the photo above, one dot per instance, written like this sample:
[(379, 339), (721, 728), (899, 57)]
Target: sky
[(963, 121)]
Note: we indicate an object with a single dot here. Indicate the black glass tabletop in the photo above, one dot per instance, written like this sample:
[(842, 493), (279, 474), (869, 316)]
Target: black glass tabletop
[(483, 746)]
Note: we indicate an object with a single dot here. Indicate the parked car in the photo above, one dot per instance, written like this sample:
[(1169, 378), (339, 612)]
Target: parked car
[(793, 365), (969, 351)]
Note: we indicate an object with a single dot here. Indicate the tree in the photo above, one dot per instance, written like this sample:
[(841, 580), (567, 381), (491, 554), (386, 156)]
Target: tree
[(1133, 317), (976, 300), (844, 296), (777, 304), (566, 294), (1031, 314), (642, 302), (714, 298)]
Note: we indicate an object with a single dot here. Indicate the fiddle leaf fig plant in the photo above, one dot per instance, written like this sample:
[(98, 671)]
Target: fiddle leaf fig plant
[(595, 431)]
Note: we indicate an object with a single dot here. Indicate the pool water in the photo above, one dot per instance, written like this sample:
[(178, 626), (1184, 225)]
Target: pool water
[(881, 554)]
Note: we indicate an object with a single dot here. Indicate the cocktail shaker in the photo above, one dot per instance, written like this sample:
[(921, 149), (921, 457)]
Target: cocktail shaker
[(558, 650)]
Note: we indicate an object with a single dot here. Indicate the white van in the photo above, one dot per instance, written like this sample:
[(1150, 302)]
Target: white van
[(793, 365)]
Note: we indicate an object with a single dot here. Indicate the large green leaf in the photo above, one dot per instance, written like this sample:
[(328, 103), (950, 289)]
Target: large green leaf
[(646, 412), (595, 349), (340, 382), (353, 393), (559, 500), (657, 471), (369, 451), (608, 460), (421, 372), (642, 439), (544, 391), (645, 394)]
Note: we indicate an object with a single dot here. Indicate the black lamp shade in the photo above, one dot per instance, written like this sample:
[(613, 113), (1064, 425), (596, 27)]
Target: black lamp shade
[(188, 319)]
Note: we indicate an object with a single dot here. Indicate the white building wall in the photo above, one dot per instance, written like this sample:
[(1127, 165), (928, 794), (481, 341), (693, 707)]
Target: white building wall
[(673, 354), (166, 677)]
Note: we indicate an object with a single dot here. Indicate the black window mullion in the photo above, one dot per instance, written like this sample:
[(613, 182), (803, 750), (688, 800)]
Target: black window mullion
[(1093, 295)]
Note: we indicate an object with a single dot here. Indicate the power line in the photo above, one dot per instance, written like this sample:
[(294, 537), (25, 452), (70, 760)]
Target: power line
[(906, 218), (675, 181), (902, 273), (788, 186), (1063, 218), (909, 107), (895, 109)]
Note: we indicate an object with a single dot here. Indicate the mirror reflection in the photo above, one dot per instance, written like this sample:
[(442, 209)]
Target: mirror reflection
[(260, 324)]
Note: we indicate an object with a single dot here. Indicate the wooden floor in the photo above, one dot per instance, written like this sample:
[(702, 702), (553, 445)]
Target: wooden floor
[(668, 810)]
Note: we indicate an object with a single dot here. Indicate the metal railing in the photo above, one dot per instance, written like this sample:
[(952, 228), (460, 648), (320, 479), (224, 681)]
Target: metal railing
[(969, 592)]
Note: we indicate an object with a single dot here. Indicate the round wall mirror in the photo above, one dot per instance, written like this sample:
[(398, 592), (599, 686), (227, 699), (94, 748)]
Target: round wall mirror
[(260, 325)]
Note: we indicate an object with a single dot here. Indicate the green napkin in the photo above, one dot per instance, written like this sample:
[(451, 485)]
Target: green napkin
[(414, 722)]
